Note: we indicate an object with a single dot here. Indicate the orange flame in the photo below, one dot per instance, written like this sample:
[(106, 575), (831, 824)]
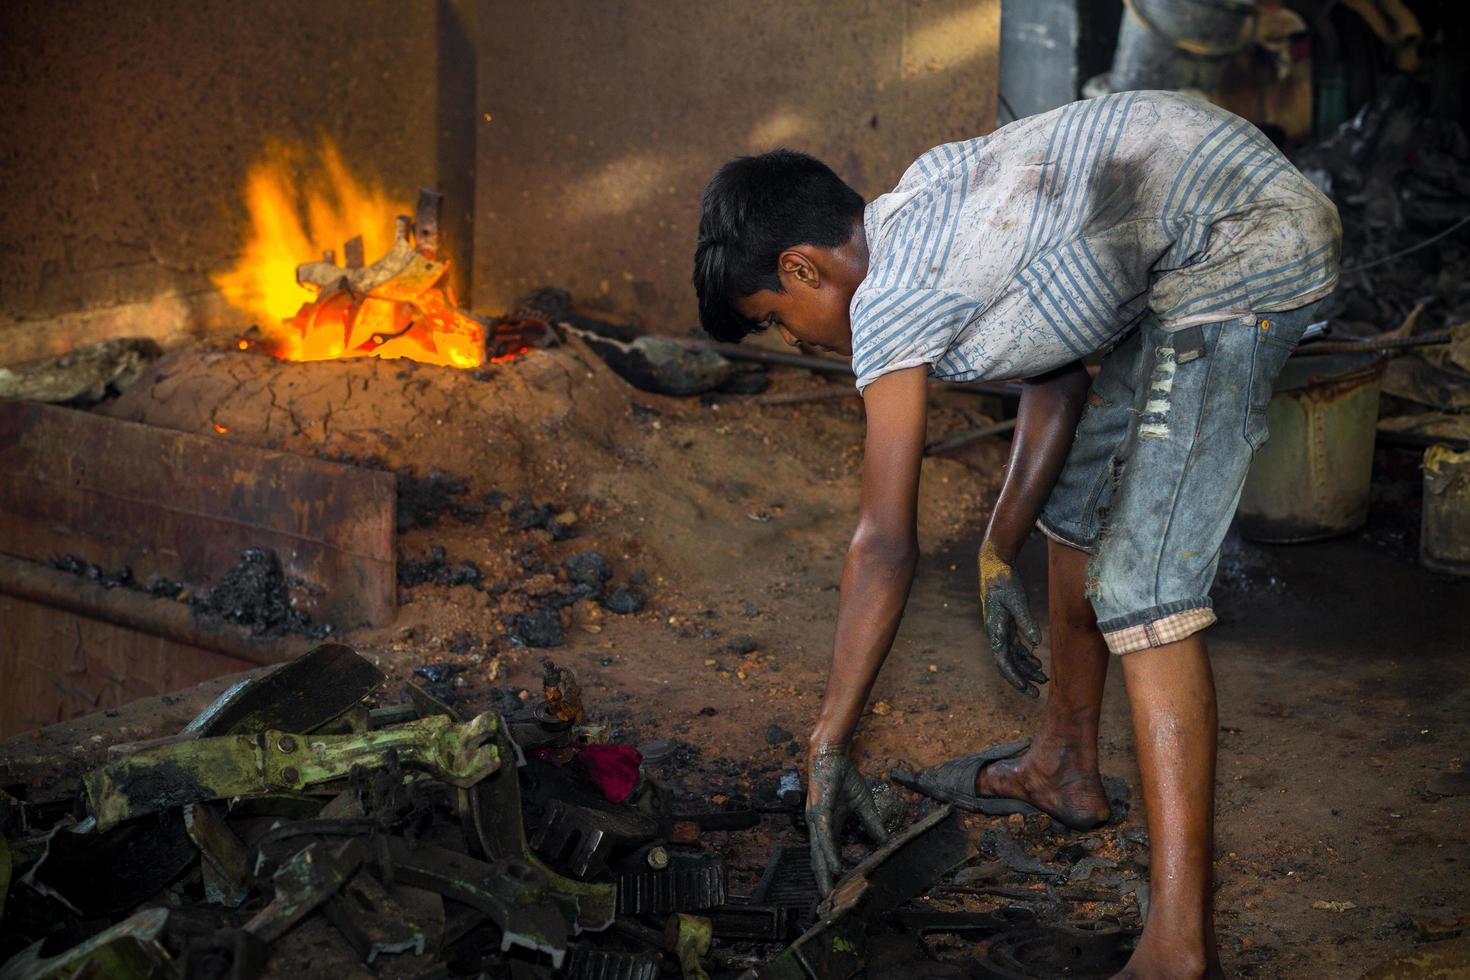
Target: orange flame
[(299, 210)]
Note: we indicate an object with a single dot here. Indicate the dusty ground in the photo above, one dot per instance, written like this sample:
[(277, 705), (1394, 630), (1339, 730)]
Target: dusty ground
[(1341, 667)]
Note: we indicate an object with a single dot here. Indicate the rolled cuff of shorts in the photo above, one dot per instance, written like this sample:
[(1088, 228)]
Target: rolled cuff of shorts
[(1059, 537), (1157, 627)]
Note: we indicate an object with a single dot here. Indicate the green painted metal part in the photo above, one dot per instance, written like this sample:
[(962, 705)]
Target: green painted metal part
[(178, 773), (1311, 478), (688, 937), (493, 811)]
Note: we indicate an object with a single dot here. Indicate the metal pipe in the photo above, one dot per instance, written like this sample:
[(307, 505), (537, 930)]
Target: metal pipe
[(965, 438), (139, 611)]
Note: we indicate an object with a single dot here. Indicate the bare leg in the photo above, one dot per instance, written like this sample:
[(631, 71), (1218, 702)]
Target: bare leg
[(1058, 773), (1172, 695)]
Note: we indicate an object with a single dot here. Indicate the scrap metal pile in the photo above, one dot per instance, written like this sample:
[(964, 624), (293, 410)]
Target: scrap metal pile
[(292, 830), (1400, 177)]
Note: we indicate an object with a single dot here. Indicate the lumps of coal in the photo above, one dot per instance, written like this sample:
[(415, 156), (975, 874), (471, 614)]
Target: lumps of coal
[(434, 568), (255, 593), (437, 673), (775, 734), (540, 628), (526, 515), (506, 700), (590, 570), (94, 572), (423, 500), (464, 642), (624, 601), (162, 588)]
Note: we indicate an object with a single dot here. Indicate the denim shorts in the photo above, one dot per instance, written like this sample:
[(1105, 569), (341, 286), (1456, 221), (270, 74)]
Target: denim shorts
[(1156, 467)]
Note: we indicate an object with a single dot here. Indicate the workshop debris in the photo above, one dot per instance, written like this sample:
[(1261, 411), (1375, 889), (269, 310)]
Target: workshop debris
[(292, 806), (81, 376), (1396, 174), (255, 593)]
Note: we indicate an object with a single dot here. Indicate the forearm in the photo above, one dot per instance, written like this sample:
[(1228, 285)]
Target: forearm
[(876, 578), (1045, 423)]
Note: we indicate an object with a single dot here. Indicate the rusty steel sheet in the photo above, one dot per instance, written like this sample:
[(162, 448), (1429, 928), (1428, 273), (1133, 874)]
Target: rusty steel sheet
[(184, 506)]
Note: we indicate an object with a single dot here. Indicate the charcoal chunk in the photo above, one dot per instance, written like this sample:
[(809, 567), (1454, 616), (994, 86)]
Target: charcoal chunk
[(624, 601), (541, 628)]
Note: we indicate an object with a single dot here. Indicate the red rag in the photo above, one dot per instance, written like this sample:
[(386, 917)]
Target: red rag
[(613, 769)]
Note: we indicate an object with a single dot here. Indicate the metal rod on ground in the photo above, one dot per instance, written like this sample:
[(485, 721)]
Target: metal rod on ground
[(965, 438), (139, 611), (824, 365), (832, 393), (1369, 344)]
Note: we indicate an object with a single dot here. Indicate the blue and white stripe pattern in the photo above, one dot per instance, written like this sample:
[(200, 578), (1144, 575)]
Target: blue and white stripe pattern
[(1013, 254)]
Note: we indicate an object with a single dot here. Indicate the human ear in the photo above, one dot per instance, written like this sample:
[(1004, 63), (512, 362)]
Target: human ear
[(800, 267)]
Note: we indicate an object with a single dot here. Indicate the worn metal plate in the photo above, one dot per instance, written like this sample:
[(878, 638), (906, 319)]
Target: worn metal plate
[(184, 506), (299, 696)]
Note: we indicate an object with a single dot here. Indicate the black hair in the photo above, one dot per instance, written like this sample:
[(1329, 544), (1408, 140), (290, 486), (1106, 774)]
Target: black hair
[(754, 209)]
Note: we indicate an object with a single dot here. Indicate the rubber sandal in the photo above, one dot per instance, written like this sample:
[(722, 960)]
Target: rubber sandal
[(954, 782)]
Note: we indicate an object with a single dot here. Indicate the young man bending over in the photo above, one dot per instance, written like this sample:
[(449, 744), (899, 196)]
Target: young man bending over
[(1159, 231)]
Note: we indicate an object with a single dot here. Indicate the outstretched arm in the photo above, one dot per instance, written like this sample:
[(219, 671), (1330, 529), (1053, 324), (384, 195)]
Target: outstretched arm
[(885, 547), (1045, 423), (875, 585)]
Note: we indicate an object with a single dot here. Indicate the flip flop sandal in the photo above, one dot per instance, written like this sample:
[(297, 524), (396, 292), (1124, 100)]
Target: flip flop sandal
[(954, 782)]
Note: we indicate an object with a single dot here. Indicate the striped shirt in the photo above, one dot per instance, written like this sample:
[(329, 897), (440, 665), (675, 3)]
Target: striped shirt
[(1016, 253)]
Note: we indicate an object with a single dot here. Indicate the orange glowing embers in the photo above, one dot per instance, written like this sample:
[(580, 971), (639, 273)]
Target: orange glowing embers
[(395, 307)]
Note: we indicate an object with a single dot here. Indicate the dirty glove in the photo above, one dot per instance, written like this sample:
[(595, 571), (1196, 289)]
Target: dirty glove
[(1012, 632), (835, 789)]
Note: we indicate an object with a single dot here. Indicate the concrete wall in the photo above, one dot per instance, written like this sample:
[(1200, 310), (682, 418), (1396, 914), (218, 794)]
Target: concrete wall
[(605, 120), (129, 127)]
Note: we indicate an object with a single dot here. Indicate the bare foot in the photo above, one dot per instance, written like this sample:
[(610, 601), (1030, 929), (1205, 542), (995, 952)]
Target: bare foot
[(1053, 780)]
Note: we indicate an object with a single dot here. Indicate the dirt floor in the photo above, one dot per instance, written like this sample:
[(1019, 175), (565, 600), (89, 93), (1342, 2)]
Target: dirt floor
[(1344, 702)]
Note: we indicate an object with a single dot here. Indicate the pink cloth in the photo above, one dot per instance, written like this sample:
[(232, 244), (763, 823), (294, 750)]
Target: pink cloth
[(613, 769)]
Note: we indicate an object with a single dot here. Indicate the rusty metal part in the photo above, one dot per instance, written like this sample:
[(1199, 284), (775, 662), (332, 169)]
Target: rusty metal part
[(490, 812), (375, 921), (1053, 951), (583, 838), (966, 438), (928, 923), (837, 946), (139, 611), (129, 950), (300, 696), (188, 771), (221, 854), (751, 923), (788, 882), (115, 492), (690, 883), (590, 963), (515, 895), (314, 875), (901, 869), (826, 365), (132, 863)]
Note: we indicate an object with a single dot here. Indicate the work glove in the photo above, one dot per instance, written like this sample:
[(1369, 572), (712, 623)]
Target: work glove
[(834, 790), (1012, 632)]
